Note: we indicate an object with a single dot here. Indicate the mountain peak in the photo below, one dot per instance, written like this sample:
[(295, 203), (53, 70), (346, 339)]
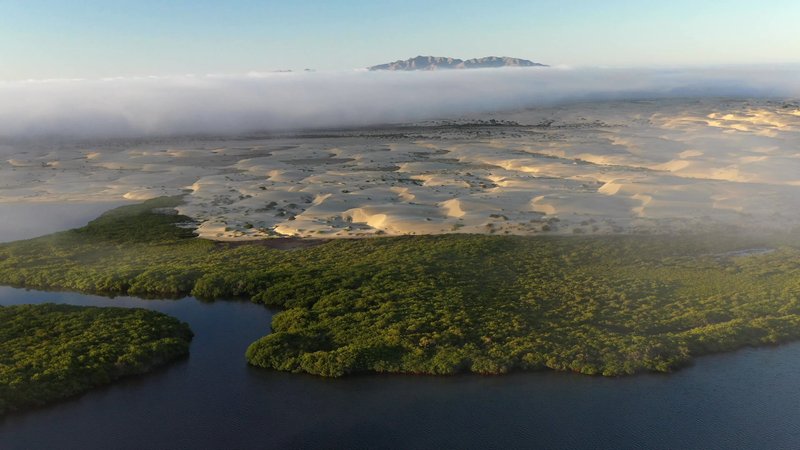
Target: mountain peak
[(443, 62)]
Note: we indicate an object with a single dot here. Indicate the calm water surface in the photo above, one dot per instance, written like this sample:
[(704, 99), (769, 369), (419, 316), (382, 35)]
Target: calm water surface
[(28, 220), (213, 399)]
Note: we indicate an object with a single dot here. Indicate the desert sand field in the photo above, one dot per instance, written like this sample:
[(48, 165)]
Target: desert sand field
[(608, 167)]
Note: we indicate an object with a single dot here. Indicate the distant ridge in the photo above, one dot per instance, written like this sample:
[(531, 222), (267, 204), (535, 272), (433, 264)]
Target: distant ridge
[(442, 62)]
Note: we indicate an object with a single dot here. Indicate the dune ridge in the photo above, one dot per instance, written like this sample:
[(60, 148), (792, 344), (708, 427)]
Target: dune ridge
[(603, 167)]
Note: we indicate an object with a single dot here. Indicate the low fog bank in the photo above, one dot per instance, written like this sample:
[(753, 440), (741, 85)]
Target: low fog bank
[(224, 105)]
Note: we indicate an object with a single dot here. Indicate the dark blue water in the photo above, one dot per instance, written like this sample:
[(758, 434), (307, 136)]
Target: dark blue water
[(746, 399), (749, 399)]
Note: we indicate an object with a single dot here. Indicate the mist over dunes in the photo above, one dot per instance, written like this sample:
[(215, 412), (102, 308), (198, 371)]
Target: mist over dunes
[(235, 104), (522, 151), (594, 167)]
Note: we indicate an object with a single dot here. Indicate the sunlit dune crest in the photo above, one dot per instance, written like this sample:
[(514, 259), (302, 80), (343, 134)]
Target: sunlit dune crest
[(599, 167)]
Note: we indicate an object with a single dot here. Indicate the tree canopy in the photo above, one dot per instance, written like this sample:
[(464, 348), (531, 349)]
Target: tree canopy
[(607, 305), (49, 352)]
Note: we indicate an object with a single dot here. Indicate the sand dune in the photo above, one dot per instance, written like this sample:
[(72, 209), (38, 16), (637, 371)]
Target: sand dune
[(588, 168)]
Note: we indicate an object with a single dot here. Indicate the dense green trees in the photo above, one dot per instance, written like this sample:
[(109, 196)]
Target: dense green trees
[(444, 304), (49, 352)]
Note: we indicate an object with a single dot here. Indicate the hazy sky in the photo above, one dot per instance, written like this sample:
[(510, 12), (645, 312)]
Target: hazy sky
[(83, 38)]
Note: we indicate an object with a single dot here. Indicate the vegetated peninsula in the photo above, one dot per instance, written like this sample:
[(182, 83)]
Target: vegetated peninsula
[(442, 62), (50, 352), (444, 304)]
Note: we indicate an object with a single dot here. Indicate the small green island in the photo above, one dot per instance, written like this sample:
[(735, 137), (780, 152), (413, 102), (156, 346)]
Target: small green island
[(50, 352), (604, 305)]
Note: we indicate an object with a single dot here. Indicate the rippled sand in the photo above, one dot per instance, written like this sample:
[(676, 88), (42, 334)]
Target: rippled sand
[(583, 168)]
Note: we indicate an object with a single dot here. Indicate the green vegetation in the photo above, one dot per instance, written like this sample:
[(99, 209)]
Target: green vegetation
[(445, 304), (49, 352)]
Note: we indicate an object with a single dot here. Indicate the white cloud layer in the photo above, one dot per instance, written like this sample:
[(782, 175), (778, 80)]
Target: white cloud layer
[(224, 105)]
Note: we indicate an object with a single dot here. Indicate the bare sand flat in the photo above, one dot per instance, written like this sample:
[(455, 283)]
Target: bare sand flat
[(610, 167)]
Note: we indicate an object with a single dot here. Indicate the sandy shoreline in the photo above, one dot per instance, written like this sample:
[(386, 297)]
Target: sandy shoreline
[(612, 167)]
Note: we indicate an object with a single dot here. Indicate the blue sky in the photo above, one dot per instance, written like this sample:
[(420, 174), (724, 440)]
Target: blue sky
[(80, 38)]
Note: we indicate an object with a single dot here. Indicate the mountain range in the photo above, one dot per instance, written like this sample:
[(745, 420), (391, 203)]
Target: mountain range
[(442, 62)]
